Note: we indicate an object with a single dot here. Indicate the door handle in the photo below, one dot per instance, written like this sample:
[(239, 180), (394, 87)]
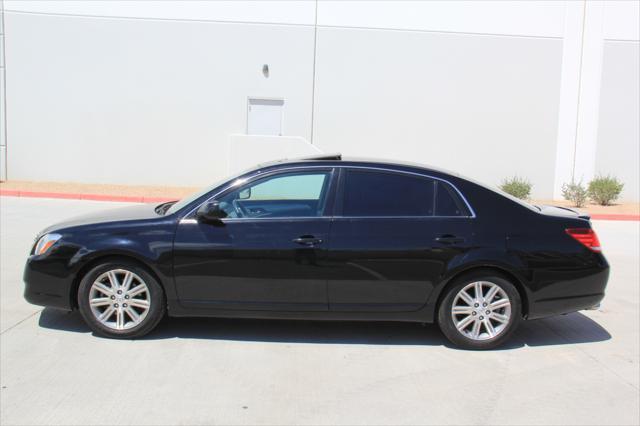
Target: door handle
[(449, 239), (307, 240)]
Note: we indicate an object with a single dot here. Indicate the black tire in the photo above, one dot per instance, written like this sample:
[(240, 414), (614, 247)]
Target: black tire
[(446, 320), (157, 304)]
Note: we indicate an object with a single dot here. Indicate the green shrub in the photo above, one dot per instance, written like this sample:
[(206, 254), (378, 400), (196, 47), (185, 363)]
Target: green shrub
[(605, 189), (518, 187), (575, 193)]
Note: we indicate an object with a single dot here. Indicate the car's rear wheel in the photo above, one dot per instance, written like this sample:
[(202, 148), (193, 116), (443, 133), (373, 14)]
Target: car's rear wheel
[(120, 300), (480, 311)]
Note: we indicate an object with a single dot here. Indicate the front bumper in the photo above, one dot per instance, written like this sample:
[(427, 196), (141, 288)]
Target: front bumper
[(48, 282)]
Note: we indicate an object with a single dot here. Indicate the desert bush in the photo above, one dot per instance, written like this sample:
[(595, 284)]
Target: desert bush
[(605, 189), (575, 192), (516, 186)]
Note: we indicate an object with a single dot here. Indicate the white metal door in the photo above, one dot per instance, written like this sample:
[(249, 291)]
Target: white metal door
[(264, 117)]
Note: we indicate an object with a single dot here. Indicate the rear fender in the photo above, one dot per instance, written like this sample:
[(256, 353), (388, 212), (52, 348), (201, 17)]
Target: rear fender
[(489, 258)]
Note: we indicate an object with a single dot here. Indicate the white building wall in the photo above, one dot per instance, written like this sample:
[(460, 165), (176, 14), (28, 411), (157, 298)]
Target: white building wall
[(486, 106), (3, 125), (299, 12), (143, 101), (618, 147), (523, 18), (156, 91)]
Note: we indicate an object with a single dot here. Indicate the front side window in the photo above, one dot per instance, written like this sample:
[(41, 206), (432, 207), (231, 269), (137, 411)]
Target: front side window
[(370, 193), (284, 195)]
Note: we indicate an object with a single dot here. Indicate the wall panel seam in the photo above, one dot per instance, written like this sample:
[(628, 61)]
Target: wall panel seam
[(442, 32), (621, 40), (415, 30), (138, 18)]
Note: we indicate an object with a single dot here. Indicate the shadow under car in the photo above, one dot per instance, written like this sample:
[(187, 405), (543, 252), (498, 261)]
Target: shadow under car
[(567, 329)]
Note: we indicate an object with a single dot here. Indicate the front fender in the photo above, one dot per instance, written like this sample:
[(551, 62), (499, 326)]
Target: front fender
[(151, 248)]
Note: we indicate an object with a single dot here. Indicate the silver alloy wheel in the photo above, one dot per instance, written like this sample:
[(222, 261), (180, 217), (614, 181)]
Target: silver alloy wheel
[(119, 299), (481, 310)]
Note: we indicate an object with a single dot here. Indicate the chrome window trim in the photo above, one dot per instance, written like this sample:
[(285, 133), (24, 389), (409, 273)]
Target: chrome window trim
[(303, 218), (187, 219), (402, 217), (264, 219)]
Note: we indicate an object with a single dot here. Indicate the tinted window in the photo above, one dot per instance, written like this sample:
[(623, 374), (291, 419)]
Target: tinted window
[(290, 187), (288, 195), (387, 194), (448, 203)]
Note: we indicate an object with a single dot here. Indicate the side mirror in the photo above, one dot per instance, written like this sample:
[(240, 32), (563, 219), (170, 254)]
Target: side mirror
[(210, 212), (244, 194)]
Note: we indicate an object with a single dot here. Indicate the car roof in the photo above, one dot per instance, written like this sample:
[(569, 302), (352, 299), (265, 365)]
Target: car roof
[(338, 159)]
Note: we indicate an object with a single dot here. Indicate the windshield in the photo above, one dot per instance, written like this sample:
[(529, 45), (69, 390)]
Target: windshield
[(191, 198)]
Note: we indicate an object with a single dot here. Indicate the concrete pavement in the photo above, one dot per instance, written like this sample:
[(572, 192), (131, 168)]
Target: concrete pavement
[(582, 368)]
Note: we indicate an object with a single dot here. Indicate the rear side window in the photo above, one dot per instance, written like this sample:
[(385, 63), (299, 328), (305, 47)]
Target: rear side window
[(448, 202), (368, 193)]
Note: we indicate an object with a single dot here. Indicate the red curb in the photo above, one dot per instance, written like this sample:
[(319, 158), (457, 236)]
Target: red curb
[(158, 199), (77, 196), (615, 216), (143, 199)]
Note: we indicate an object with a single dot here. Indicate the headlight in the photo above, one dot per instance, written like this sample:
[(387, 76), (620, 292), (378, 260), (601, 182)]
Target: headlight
[(45, 242)]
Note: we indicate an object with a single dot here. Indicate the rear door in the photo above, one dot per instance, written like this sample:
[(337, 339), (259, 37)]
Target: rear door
[(394, 236)]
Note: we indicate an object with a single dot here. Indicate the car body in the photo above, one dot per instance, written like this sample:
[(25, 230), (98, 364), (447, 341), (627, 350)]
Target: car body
[(350, 239)]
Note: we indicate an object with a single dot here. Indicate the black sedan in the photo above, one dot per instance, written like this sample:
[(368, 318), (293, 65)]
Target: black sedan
[(325, 238)]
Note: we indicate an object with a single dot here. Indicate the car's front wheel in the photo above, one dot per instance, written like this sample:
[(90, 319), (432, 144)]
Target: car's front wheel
[(480, 311), (120, 300)]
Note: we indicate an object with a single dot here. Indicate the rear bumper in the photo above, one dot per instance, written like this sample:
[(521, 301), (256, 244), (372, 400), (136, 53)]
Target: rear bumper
[(570, 295), (47, 282), (547, 308)]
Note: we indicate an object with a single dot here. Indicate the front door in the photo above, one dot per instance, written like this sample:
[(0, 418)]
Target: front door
[(268, 254), (393, 238)]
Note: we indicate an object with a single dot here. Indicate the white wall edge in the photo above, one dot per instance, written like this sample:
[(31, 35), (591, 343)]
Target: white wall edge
[(300, 12), (569, 95), (589, 100)]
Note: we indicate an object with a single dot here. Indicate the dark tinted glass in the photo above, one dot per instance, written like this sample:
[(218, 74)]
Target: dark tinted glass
[(448, 203), (387, 194)]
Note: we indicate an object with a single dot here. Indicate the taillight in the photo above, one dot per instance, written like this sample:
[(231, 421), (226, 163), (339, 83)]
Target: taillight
[(587, 237)]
